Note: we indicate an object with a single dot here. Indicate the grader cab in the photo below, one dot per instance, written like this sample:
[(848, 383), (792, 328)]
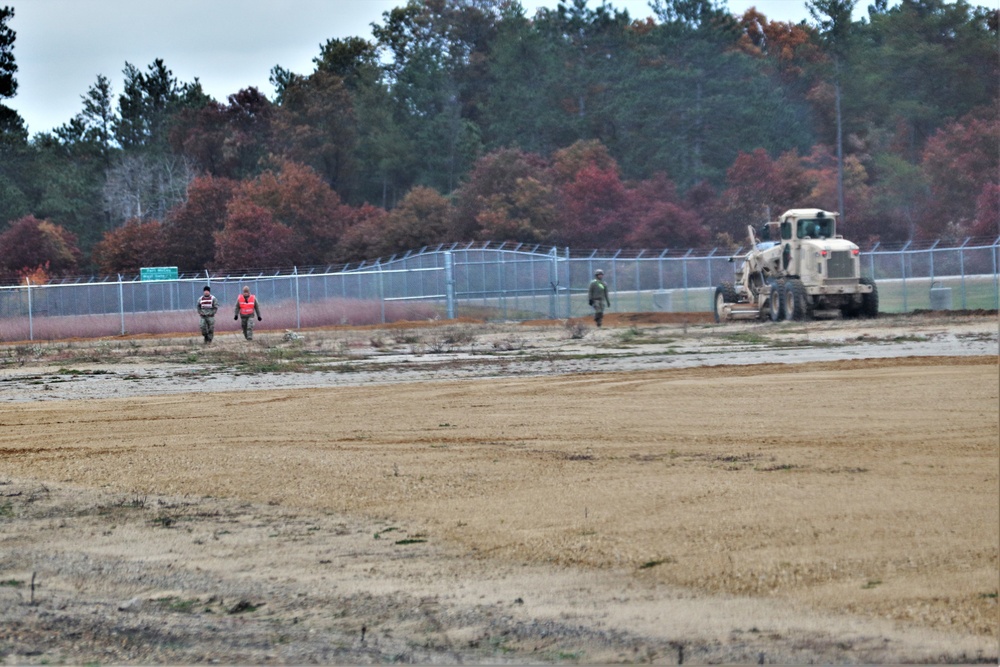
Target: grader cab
[(797, 269)]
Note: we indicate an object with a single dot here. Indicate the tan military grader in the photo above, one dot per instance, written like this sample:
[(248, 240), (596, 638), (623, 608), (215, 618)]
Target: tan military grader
[(801, 269)]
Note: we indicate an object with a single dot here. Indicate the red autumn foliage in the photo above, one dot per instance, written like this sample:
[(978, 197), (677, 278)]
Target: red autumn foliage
[(509, 197), (30, 243), (987, 222), (191, 227), (421, 219), (298, 198), (226, 140), (591, 215), (362, 238), (130, 247), (760, 187), (657, 219), (959, 162), (252, 238)]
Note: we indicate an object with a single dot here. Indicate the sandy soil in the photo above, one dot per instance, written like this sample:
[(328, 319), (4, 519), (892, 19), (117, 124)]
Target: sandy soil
[(651, 492)]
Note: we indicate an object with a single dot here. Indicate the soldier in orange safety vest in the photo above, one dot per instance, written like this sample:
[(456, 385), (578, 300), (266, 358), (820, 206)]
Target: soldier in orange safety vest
[(246, 307)]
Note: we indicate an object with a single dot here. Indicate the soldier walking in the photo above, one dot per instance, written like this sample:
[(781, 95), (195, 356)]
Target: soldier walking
[(207, 306), (246, 307), (598, 296)]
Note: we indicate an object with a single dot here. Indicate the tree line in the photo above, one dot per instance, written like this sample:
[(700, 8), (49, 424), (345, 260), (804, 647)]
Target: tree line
[(466, 120)]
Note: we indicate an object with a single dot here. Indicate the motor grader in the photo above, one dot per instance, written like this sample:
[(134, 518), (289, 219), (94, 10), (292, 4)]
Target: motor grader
[(798, 269)]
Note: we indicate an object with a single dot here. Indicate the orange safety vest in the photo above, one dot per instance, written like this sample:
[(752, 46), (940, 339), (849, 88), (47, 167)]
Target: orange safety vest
[(246, 304)]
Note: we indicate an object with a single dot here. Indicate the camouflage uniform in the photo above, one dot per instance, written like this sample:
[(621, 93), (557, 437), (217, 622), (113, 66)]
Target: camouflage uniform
[(207, 305), (246, 307), (598, 296)]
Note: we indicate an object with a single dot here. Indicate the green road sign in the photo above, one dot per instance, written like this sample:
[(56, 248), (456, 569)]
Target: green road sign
[(158, 273)]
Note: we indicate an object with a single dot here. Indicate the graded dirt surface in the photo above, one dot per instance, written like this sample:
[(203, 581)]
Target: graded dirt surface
[(664, 492)]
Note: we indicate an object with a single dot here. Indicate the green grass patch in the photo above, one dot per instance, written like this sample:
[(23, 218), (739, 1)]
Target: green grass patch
[(669, 560), (11, 583), (630, 335), (178, 605), (244, 607), (778, 468), (747, 338), (164, 521), (569, 656), (74, 371)]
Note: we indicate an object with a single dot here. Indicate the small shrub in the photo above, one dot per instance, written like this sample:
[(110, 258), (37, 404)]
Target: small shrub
[(460, 336), (576, 330), (630, 334), (508, 344), (407, 339)]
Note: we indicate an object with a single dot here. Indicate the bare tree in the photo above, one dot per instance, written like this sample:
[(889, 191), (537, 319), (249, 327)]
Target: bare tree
[(143, 187)]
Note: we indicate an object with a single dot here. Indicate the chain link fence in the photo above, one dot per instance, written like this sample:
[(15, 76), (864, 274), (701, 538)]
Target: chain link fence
[(482, 282)]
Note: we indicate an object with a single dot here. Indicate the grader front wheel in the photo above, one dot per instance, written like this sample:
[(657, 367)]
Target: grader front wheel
[(869, 301), (776, 305), (724, 293)]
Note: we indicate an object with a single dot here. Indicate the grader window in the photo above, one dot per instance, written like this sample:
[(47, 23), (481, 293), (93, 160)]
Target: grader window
[(816, 229), (786, 230)]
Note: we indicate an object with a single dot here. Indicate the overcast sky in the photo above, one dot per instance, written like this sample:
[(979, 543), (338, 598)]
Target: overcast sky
[(62, 45)]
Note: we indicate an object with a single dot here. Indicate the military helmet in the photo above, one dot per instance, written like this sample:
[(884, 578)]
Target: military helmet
[(599, 272)]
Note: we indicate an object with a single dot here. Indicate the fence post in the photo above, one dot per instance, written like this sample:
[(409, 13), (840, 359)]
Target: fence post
[(684, 266), (121, 302), (961, 269), (902, 263), (553, 281), (31, 321), (930, 254), (638, 283), (298, 317), (501, 282), (996, 277), (659, 266), (569, 287), (449, 283), (381, 289)]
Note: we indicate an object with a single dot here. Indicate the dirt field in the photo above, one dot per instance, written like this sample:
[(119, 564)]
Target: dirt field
[(652, 492)]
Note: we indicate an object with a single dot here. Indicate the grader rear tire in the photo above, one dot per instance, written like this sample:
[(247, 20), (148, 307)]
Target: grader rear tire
[(796, 300), (869, 302)]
